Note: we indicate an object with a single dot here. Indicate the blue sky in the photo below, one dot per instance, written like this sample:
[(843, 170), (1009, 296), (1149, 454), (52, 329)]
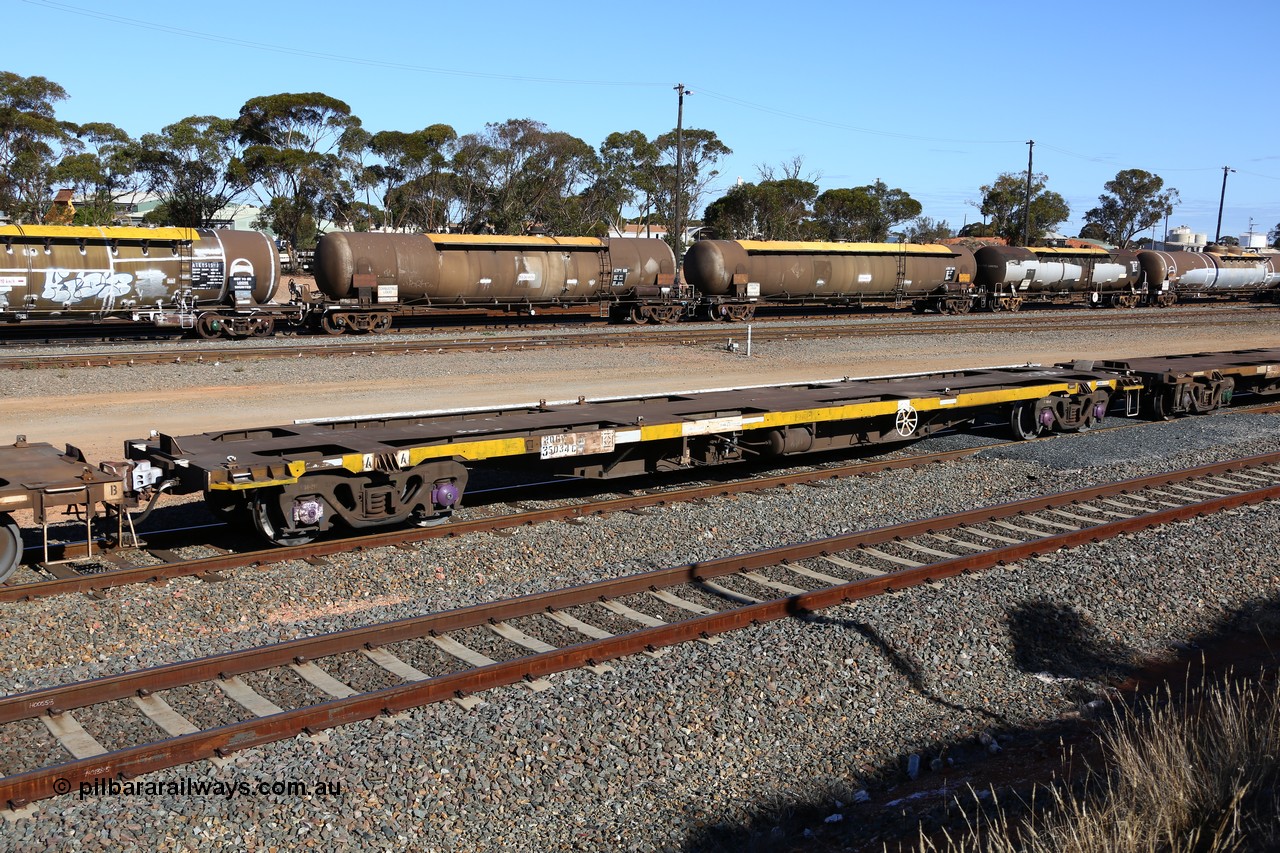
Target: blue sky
[(937, 99)]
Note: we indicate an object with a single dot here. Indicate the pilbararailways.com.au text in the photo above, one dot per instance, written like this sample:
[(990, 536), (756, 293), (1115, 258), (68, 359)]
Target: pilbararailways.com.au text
[(197, 787)]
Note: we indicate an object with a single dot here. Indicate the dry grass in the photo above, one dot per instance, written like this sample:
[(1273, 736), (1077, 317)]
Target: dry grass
[(1190, 772)]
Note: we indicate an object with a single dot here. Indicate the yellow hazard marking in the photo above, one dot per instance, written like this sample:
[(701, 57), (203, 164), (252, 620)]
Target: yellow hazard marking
[(82, 232), (492, 448)]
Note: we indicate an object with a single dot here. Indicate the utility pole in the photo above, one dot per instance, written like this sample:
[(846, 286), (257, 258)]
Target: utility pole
[(679, 235), (1221, 200), (1026, 208)]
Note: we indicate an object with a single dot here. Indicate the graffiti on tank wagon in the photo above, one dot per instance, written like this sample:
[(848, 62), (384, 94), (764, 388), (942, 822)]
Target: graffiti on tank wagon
[(68, 287)]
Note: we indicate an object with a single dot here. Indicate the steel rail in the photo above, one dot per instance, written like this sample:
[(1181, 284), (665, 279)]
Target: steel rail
[(204, 565), (659, 336), (45, 782)]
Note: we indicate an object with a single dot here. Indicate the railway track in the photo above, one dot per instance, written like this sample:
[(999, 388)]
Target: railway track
[(763, 332), (68, 580), (63, 577), (456, 654)]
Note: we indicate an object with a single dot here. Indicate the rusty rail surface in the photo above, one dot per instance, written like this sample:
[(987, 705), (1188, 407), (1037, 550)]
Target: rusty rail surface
[(14, 592), (762, 331), (45, 782)]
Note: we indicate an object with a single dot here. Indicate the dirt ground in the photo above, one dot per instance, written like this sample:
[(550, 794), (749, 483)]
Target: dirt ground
[(99, 418)]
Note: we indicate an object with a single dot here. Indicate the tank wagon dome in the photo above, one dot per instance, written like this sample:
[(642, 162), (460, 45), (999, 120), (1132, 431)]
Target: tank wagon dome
[(477, 269)]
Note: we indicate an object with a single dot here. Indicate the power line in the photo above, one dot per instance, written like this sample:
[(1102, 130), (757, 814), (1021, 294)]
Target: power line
[(312, 54), (840, 126)]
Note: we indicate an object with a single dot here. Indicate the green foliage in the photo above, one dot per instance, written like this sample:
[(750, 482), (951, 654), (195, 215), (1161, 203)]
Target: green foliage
[(770, 210), (922, 229), (104, 174), (863, 214), (302, 150), (414, 176), (1133, 202), (1274, 234), (1004, 202), (32, 142), (519, 175), (702, 150), (194, 166)]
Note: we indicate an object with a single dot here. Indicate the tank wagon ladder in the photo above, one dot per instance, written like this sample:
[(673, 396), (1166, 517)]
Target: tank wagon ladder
[(604, 288), (900, 279)]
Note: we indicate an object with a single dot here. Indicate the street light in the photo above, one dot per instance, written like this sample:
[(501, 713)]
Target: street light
[(1225, 169), (679, 235)]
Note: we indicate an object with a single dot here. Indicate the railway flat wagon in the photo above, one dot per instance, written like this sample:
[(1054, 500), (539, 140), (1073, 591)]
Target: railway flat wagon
[(37, 479), (296, 481)]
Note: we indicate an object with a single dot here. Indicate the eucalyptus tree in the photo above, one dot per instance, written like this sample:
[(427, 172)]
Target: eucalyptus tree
[(103, 175), (300, 149), (32, 143), (519, 174), (863, 214), (700, 151), (414, 178), (629, 164), (923, 229), (194, 165), (777, 209), (1134, 201), (1004, 201)]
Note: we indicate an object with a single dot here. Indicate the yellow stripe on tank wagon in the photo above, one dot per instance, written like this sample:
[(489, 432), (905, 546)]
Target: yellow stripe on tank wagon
[(790, 247), (514, 240), (78, 232)]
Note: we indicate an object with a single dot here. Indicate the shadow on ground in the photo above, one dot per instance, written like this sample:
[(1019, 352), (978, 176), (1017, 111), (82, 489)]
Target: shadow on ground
[(1051, 641)]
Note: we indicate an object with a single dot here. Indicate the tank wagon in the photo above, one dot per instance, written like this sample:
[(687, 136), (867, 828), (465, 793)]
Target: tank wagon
[(1009, 276), (733, 277), (1213, 273), (213, 282), (371, 276)]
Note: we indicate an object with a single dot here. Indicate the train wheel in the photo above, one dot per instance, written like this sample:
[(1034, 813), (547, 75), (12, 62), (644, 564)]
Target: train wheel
[(1013, 303), (10, 546), (209, 326), (637, 315), (265, 328), (964, 306), (1024, 422), (382, 323), (333, 324), (269, 520)]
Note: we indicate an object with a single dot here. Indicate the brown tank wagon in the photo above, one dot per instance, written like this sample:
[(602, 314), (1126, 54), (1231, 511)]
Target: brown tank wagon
[(211, 281), (1010, 275), (1174, 275), (379, 272), (734, 276)]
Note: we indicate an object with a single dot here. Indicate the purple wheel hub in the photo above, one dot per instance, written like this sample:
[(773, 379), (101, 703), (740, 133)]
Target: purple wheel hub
[(1099, 411), (444, 494), (1047, 418)]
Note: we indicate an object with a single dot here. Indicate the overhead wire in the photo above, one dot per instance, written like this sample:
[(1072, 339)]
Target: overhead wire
[(314, 54)]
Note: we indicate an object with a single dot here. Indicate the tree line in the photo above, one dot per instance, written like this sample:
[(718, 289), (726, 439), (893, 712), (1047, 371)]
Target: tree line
[(306, 157)]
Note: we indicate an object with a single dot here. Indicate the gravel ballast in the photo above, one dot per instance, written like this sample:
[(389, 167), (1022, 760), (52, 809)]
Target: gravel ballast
[(682, 749), (698, 748)]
